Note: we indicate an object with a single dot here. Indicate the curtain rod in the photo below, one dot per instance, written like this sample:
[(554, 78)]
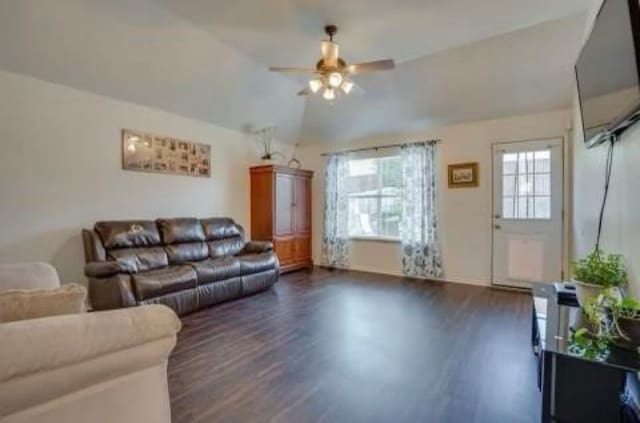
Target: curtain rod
[(380, 147)]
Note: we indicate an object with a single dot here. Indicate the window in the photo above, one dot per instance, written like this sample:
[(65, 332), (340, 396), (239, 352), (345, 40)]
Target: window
[(374, 187), (526, 185)]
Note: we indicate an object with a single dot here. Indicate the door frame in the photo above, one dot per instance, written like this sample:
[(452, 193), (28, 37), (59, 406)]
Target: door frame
[(563, 219)]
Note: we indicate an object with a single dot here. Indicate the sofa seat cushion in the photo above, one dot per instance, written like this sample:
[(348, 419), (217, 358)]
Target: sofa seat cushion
[(218, 269), (255, 263), (163, 281)]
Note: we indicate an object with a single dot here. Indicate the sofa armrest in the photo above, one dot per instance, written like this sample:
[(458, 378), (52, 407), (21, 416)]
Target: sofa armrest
[(256, 247), (111, 292), (103, 269), (40, 345)]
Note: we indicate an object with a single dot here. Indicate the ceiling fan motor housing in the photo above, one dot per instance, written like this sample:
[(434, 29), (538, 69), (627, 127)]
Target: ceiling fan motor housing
[(331, 30), (320, 66)]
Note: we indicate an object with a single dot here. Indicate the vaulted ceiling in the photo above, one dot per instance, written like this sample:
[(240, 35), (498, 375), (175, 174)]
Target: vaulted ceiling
[(458, 60)]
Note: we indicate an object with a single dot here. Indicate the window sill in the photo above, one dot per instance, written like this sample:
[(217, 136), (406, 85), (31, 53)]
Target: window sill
[(375, 239)]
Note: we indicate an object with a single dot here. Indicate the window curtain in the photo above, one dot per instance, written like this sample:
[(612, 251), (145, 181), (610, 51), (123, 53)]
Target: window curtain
[(419, 228), (335, 239)]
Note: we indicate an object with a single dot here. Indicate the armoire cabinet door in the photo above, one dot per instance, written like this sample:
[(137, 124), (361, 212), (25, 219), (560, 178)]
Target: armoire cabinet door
[(302, 209), (284, 249), (284, 214), (302, 249)]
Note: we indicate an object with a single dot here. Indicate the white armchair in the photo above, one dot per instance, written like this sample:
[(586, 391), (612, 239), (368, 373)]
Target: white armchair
[(93, 367)]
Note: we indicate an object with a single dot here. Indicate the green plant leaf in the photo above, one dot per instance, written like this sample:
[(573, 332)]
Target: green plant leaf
[(602, 269)]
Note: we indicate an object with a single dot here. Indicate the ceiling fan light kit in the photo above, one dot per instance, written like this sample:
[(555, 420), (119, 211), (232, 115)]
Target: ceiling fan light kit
[(347, 86), (315, 85), (335, 79), (332, 72), (329, 94)]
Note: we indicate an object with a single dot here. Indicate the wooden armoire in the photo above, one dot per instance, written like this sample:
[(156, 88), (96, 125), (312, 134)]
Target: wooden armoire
[(281, 213)]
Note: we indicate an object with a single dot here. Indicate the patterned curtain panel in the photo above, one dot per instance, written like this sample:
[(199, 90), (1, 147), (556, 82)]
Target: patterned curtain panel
[(335, 239), (419, 228)]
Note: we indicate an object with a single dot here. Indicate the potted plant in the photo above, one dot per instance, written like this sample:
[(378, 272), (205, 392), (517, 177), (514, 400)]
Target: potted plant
[(626, 315), (596, 272), (609, 319), (266, 137), (595, 326)]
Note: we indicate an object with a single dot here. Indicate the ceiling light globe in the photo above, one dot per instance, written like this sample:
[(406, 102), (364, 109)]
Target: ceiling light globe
[(329, 94), (335, 79), (347, 86), (315, 85)]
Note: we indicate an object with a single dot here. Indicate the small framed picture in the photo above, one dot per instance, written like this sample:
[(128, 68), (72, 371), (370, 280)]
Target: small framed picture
[(463, 175)]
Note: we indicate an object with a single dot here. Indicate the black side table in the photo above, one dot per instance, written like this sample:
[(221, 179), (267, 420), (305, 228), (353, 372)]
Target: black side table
[(575, 388)]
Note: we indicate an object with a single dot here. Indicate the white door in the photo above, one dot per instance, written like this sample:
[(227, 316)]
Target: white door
[(527, 212)]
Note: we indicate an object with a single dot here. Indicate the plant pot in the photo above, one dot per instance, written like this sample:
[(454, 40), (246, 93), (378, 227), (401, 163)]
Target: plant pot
[(585, 291), (630, 328)]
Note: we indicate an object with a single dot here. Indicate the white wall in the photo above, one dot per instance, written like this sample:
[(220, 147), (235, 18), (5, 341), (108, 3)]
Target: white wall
[(621, 229), (60, 170), (465, 214)]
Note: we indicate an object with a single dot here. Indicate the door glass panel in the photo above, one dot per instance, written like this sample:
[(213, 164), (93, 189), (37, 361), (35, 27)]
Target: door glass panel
[(541, 184), (509, 186), (509, 162), (521, 210), (542, 207), (508, 207), (543, 161), (526, 185)]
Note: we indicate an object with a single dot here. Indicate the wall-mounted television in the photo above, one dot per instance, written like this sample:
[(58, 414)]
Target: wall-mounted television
[(608, 72)]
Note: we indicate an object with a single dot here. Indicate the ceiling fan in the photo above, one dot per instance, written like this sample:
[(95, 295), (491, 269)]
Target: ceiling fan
[(332, 73)]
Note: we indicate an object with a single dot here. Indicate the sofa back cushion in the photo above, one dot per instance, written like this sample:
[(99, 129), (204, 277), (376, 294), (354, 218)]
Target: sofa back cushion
[(184, 239), (180, 230), (128, 234), (136, 244), (224, 236), (23, 304)]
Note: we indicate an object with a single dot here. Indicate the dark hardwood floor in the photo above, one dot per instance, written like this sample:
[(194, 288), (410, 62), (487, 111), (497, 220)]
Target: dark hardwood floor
[(357, 347)]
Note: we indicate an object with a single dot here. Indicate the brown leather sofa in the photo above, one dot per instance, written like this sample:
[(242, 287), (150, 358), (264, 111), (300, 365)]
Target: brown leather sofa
[(184, 263)]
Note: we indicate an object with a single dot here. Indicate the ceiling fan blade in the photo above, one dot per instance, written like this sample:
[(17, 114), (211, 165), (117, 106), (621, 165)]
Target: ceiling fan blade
[(330, 53), (291, 69), (379, 65), (304, 91)]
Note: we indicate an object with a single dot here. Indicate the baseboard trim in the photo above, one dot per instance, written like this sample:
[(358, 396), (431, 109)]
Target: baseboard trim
[(461, 281)]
